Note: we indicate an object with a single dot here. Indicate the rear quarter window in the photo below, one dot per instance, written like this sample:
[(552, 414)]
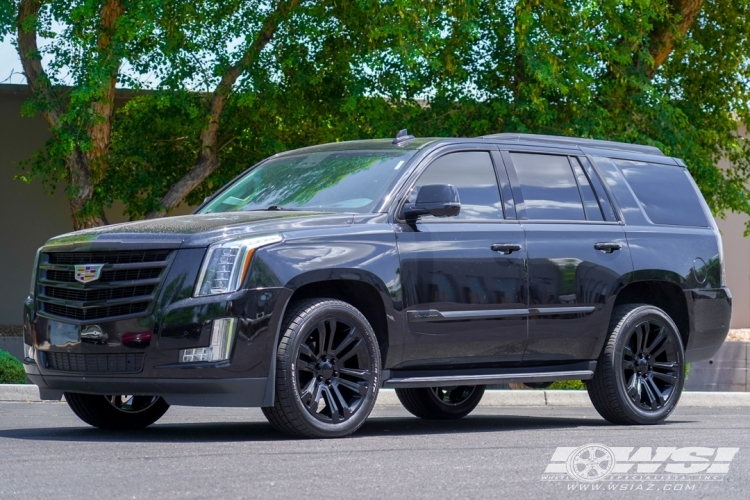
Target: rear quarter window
[(665, 193)]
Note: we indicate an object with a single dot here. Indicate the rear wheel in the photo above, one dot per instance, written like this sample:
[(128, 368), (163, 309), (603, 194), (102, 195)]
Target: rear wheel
[(641, 371), (441, 403), (327, 370), (117, 412)]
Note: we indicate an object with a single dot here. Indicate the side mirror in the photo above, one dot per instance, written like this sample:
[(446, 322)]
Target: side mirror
[(438, 200)]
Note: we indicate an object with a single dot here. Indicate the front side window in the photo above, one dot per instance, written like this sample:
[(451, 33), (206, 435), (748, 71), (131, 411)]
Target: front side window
[(328, 181), (473, 175), (548, 186)]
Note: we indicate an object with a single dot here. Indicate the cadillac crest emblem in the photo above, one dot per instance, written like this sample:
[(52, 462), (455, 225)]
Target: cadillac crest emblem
[(88, 272)]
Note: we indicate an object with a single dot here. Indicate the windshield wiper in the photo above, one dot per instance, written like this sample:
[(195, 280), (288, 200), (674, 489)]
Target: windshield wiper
[(275, 208)]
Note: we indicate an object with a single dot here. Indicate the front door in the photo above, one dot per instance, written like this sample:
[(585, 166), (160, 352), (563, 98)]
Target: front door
[(577, 250), (463, 277)]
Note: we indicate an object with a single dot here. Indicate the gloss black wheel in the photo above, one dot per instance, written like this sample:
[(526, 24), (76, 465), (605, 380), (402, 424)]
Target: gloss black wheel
[(641, 371), (328, 367), (441, 403), (117, 412)]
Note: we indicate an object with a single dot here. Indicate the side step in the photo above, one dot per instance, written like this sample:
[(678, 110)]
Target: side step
[(487, 376)]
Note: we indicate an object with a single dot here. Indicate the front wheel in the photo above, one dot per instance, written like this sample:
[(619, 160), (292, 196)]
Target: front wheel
[(117, 412), (641, 370), (327, 370), (441, 403)]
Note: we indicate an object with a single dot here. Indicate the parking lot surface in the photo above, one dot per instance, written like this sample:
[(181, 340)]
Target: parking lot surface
[(46, 452)]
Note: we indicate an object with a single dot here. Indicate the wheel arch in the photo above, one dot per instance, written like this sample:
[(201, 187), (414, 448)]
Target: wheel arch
[(665, 295)]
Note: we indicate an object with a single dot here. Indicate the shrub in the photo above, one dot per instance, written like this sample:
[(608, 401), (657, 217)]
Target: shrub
[(11, 370), (568, 385)]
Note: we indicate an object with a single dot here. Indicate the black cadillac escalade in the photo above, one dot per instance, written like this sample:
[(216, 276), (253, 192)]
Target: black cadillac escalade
[(432, 266)]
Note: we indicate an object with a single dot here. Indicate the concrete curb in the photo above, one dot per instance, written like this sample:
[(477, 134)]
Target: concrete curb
[(387, 397)]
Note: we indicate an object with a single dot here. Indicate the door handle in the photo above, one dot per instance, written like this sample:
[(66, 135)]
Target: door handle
[(607, 247), (505, 248)]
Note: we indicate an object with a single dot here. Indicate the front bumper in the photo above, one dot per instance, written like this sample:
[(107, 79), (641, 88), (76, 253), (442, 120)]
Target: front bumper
[(243, 380), (244, 392)]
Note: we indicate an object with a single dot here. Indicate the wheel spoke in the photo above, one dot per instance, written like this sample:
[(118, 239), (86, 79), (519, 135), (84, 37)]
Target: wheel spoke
[(627, 364), (640, 334), (332, 327), (633, 389), (659, 395), (667, 365), (353, 372), (360, 389), (352, 336), (305, 349), (316, 398), (308, 391), (346, 409), (358, 346), (670, 379), (649, 393), (332, 406), (305, 366), (628, 352), (321, 327), (656, 342)]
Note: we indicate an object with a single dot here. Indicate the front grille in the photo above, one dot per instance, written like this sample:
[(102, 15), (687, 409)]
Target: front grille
[(101, 363), (126, 257), (127, 284), (98, 294), (67, 276)]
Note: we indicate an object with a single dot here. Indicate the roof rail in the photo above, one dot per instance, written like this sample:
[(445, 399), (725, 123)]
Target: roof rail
[(575, 141)]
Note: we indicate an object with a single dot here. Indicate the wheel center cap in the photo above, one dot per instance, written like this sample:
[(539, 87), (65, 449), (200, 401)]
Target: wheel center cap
[(642, 365), (326, 370)]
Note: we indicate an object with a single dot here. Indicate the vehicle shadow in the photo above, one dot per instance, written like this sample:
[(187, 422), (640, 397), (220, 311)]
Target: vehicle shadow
[(216, 432)]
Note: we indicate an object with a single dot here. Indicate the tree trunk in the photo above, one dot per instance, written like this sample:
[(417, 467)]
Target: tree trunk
[(664, 36), (208, 159), (84, 170)]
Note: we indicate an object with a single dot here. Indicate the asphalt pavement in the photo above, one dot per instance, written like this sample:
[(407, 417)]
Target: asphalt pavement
[(46, 452)]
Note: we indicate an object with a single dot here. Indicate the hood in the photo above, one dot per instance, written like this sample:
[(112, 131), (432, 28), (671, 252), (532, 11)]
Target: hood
[(191, 231)]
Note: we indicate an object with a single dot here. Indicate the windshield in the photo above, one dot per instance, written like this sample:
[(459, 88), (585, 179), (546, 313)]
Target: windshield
[(329, 181)]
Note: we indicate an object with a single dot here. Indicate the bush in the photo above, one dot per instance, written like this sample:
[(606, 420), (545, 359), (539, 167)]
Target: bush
[(568, 385), (11, 370)]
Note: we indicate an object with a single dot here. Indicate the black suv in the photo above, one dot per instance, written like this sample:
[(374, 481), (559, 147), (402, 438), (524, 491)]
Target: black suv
[(432, 266)]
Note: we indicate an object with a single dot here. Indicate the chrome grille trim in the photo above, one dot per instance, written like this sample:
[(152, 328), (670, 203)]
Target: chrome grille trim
[(127, 287)]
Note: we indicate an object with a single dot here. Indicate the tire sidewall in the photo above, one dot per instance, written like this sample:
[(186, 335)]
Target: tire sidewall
[(463, 408), (329, 310), (634, 318)]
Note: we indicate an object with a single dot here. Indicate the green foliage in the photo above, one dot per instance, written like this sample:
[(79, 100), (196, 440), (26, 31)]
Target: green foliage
[(568, 385), (11, 370), (341, 70)]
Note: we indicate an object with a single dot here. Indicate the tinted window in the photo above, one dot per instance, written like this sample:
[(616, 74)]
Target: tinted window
[(593, 212), (549, 188), (473, 175), (332, 181), (665, 192)]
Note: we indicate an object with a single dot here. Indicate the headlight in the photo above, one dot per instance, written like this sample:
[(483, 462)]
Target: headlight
[(32, 289), (226, 264)]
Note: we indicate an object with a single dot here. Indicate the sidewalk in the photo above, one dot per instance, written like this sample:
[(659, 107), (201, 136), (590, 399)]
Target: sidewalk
[(387, 397)]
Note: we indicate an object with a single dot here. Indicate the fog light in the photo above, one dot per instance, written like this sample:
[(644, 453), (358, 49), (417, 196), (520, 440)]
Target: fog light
[(222, 340)]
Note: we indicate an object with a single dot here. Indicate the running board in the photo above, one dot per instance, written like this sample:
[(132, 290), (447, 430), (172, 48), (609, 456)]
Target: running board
[(454, 378)]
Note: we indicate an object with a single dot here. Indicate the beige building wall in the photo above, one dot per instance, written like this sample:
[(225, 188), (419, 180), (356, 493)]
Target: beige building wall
[(737, 262)]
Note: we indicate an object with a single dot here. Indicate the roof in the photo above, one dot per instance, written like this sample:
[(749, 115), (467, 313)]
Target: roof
[(576, 141)]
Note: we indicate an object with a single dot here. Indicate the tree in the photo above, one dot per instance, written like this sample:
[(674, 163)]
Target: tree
[(237, 81)]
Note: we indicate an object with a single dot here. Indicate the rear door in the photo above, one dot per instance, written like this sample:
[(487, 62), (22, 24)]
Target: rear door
[(578, 256), (465, 302)]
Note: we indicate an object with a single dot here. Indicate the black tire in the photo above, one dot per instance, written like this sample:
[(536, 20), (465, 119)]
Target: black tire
[(327, 370), (441, 403), (111, 412), (641, 370)]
